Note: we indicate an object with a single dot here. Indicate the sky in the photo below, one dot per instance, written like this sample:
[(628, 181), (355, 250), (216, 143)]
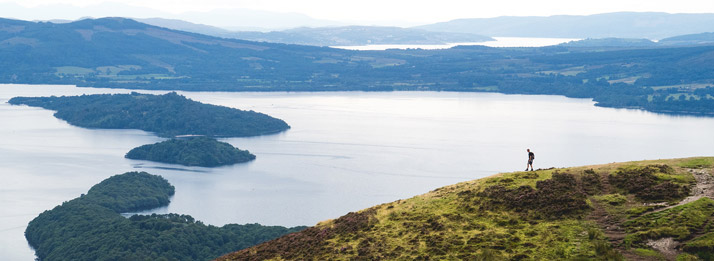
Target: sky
[(379, 12)]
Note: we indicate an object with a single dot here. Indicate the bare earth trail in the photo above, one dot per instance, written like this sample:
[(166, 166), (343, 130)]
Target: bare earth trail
[(612, 226)]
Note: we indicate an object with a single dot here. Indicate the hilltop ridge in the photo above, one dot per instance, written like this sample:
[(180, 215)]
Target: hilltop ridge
[(651, 25), (634, 210)]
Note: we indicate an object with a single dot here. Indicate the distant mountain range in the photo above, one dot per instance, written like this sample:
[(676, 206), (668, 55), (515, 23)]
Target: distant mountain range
[(294, 28), (648, 25), (123, 53), (359, 35), (327, 36), (126, 52), (621, 25), (231, 19)]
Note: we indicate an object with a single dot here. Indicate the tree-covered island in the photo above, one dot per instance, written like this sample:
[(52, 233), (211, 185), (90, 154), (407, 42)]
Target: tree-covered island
[(166, 115), (193, 151), (91, 227)]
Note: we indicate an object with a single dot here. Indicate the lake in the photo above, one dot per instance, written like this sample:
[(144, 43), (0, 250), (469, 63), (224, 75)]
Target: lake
[(497, 42), (345, 151)]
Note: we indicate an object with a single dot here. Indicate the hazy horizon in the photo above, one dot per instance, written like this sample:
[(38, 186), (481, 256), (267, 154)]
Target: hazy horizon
[(280, 14)]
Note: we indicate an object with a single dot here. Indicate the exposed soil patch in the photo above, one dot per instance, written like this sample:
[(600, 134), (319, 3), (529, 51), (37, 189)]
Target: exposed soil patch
[(666, 246), (703, 188)]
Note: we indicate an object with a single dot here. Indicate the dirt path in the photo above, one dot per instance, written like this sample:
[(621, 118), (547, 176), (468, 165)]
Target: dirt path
[(611, 225), (612, 229), (703, 188)]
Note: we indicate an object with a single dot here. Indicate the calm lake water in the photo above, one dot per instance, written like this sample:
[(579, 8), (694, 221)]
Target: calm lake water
[(345, 151), (497, 42)]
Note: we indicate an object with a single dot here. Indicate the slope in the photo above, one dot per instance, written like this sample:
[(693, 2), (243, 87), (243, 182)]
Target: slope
[(648, 25), (119, 51), (543, 215), (325, 36), (357, 35), (122, 53)]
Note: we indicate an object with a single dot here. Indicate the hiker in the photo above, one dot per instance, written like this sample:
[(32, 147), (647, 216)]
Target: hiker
[(531, 157)]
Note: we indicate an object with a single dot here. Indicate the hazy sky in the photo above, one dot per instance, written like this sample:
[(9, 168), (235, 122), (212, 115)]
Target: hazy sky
[(410, 11)]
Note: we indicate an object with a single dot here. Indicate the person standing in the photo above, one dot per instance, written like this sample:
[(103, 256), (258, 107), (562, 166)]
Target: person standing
[(531, 157)]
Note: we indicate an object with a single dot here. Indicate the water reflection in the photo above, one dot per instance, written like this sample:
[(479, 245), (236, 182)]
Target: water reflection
[(344, 152)]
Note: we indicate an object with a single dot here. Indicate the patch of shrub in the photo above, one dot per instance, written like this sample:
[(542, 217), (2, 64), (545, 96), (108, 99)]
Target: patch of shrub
[(663, 191), (561, 195), (704, 243), (310, 242), (591, 183), (643, 182)]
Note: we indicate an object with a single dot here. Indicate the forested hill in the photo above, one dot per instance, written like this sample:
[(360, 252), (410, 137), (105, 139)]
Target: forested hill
[(117, 52), (618, 211), (167, 115), (91, 227)]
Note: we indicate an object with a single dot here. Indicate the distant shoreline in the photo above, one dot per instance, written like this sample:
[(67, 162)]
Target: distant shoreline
[(499, 42)]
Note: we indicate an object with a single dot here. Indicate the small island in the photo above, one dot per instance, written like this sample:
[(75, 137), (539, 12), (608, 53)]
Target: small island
[(167, 115), (91, 227), (193, 151)]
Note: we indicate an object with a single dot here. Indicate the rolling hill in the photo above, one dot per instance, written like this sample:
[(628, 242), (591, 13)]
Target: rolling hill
[(691, 39), (646, 210), (327, 36), (123, 53), (358, 35), (621, 25), (115, 51)]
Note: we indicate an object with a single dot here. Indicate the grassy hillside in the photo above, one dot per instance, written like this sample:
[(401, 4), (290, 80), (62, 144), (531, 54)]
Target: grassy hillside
[(644, 210)]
